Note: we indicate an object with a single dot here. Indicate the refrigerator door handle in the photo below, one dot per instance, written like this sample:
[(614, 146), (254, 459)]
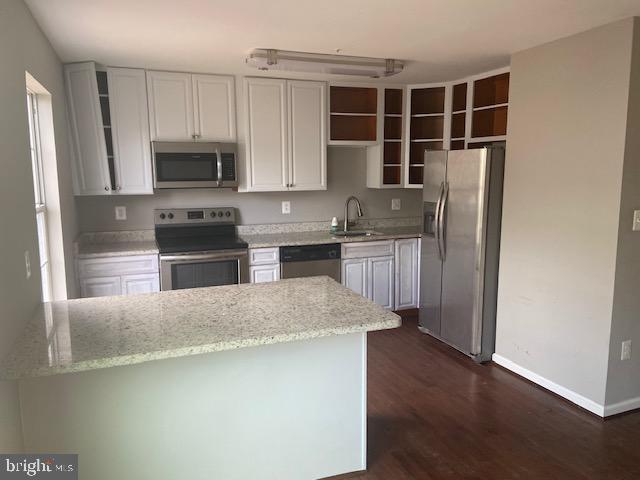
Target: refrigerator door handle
[(442, 246), (437, 221)]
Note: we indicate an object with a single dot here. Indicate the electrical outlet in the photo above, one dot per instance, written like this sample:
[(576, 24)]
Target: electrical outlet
[(286, 208), (27, 263), (626, 350), (121, 213), (395, 204), (636, 221)]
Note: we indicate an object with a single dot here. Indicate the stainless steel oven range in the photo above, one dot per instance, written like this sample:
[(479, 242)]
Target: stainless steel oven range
[(199, 247)]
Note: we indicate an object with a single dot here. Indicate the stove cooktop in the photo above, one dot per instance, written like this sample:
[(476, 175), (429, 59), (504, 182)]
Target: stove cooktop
[(200, 244)]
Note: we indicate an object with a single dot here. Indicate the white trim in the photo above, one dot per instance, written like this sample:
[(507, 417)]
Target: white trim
[(621, 407), (564, 392)]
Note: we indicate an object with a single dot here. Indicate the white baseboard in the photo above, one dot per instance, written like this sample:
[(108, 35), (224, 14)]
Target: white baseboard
[(564, 392), (621, 407)]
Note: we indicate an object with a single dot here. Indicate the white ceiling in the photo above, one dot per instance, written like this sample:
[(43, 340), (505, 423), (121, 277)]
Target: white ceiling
[(440, 39)]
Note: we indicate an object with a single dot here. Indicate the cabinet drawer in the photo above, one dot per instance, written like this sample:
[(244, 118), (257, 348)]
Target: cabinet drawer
[(109, 266), (264, 256), (367, 249)]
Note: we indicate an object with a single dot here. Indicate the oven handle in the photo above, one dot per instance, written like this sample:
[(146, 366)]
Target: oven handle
[(187, 257)]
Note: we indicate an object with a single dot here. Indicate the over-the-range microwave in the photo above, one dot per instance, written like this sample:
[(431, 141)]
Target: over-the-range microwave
[(194, 165)]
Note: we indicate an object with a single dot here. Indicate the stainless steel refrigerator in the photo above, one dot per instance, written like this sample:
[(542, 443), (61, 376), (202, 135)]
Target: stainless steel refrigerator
[(462, 202)]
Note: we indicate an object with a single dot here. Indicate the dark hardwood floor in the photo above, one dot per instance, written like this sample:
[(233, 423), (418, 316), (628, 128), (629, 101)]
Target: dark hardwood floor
[(435, 414)]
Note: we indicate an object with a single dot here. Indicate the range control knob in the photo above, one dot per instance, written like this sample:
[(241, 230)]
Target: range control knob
[(220, 214), (162, 216), (170, 216), (228, 213), (332, 254), (212, 214)]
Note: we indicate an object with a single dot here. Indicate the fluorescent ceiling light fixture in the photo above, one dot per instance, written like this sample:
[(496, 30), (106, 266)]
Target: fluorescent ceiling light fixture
[(270, 59)]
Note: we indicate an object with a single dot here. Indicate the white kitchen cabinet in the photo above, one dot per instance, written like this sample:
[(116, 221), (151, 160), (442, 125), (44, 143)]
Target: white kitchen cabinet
[(141, 283), (307, 135), (264, 264), (264, 273), (100, 287), (406, 274), (354, 275), (286, 135), (185, 107), (109, 130), (214, 108), (130, 131), (102, 276), (380, 274), (90, 167), (368, 269)]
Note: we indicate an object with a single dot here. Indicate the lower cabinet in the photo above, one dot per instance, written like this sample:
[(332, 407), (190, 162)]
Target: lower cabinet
[(368, 269), (385, 272), (264, 264), (106, 276)]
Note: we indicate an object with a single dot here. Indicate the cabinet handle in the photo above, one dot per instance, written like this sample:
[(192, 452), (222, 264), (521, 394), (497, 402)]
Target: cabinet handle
[(106, 189), (118, 187)]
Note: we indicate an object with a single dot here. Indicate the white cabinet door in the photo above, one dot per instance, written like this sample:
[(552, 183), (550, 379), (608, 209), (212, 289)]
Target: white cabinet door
[(214, 107), (170, 106), (307, 135), (267, 145), (354, 275), (130, 130), (381, 282), (142, 283), (91, 169), (100, 287), (406, 278), (264, 273)]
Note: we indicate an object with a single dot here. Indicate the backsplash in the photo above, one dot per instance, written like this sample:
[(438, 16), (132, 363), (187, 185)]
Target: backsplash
[(346, 170)]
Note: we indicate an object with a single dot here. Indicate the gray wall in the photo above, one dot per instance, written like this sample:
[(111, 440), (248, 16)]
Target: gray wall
[(623, 381), (346, 175), (567, 127), (23, 47)]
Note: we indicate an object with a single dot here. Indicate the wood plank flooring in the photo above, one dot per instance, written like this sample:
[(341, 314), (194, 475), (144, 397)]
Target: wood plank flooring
[(435, 414)]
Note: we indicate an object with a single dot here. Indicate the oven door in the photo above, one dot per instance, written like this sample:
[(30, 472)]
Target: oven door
[(203, 269)]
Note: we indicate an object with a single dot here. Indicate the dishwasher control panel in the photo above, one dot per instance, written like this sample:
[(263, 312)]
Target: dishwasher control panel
[(307, 253)]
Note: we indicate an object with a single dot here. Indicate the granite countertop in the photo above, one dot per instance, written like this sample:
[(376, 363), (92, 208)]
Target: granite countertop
[(319, 237), (117, 248), (92, 333)]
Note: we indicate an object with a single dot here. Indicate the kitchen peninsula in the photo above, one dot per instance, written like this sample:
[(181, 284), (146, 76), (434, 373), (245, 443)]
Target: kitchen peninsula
[(163, 385)]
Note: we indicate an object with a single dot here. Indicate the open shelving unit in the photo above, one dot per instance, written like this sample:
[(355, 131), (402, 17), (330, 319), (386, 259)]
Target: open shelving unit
[(353, 113), (490, 105), (103, 95)]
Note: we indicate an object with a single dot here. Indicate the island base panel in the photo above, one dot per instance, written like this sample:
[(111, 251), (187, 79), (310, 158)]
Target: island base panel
[(284, 411)]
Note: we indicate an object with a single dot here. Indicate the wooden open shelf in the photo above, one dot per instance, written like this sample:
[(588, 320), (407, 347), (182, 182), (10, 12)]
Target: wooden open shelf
[(458, 121), (356, 128), (391, 153), (427, 127), (393, 101), (417, 149), (415, 174), (491, 91), (427, 100), (392, 128), (353, 100), (457, 144), (489, 122), (391, 174), (459, 101)]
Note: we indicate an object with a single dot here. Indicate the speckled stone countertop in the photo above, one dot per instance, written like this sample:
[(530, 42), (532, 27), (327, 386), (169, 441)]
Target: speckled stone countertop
[(114, 244), (319, 237), (92, 333)]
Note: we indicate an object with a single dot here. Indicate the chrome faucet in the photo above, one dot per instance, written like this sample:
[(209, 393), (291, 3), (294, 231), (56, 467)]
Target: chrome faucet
[(346, 211)]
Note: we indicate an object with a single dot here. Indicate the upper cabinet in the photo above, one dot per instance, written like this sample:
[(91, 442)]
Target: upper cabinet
[(187, 107), (353, 115), (286, 135), (109, 130)]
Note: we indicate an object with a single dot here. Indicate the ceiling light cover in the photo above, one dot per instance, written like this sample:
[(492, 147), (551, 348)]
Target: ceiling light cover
[(271, 59)]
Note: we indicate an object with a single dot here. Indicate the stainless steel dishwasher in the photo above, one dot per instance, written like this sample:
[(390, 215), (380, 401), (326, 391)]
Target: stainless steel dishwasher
[(310, 260)]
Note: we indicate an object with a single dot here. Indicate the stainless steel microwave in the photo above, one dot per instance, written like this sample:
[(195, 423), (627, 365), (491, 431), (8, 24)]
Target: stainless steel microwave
[(194, 165)]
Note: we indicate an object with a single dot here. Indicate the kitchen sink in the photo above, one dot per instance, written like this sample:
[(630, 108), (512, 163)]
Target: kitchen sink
[(356, 233)]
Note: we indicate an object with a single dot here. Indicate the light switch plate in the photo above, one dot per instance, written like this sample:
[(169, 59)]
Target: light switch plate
[(286, 208), (395, 204), (636, 220), (121, 213)]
